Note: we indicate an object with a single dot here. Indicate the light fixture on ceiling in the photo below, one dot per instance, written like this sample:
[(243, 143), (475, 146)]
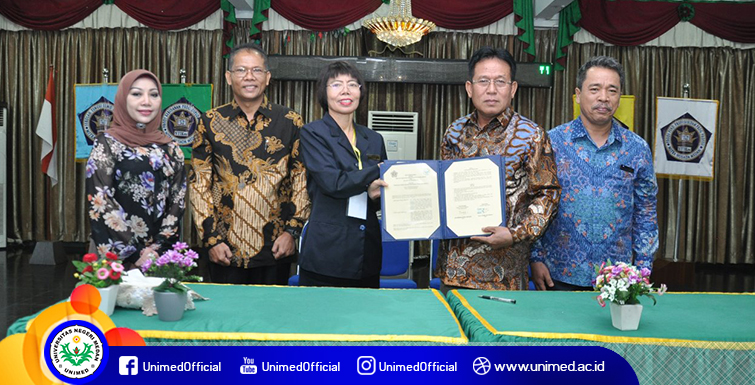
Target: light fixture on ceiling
[(399, 28)]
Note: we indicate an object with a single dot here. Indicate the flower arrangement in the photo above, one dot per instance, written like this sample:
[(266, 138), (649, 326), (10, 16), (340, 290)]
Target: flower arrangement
[(173, 265), (100, 273), (624, 284)]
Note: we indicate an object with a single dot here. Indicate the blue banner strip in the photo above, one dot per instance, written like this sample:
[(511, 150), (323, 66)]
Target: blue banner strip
[(366, 365)]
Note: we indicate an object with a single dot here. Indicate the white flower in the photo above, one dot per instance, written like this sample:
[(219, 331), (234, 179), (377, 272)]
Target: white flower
[(103, 248), (138, 226), (168, 232), (114, 220), (169, 220), (99, 204)]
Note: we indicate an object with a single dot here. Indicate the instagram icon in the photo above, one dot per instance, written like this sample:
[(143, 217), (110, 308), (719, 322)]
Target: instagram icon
[(366, 365)]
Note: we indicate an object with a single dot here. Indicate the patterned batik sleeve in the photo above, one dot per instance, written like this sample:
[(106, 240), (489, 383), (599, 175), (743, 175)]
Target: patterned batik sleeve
[(645, 217), (449, 148), (174, 171), (200, 184), (299, 196), (543, 190), (110, 229)]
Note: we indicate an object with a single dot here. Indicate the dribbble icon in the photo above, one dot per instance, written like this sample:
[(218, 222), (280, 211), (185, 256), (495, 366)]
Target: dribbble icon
[(128, 365), (366, 365)]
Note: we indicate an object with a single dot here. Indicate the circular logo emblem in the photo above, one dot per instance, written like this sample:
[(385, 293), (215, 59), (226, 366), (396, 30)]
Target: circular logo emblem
[(481, 365), (180, 121), (685, 139), (97, 118), (76, 352)]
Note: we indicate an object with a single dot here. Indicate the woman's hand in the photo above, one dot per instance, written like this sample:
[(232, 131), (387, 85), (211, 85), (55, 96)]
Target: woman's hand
[(144, 255), (373, 191)]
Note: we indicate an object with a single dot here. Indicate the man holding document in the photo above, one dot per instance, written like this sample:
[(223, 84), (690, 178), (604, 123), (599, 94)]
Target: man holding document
[(499, 260)]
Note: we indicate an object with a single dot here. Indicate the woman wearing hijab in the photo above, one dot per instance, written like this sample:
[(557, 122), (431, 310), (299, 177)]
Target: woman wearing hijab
[(136, 182)]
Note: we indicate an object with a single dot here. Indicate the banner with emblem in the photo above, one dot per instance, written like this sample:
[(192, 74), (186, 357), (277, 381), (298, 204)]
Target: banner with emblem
[(94, 113), (685, 138), (183, 104)]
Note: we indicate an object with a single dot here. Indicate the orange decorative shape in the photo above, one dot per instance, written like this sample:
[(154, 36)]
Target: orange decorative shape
[(85, 299), (124, 337)]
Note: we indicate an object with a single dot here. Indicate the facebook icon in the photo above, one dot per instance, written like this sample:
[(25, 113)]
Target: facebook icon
[(128, 365)]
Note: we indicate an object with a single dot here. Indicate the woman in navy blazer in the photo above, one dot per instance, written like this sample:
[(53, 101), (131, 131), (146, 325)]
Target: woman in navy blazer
[(342, 245)]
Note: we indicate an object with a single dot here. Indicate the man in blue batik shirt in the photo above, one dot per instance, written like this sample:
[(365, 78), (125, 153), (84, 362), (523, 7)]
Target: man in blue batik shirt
[(608, 189)]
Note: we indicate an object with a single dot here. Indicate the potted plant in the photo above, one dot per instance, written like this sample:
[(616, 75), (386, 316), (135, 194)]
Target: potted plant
[(173, 265), (621, 285), (104, 274)]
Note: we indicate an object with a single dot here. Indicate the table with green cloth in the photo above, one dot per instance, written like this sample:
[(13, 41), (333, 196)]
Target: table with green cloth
[(687, 338), (241, 314)]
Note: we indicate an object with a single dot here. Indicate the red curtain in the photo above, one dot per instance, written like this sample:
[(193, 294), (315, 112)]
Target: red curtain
[(324, 15), (46, 14), (637, 22), (627, 22), (168, 14), (460, 14), (730, 21), (58, 14)]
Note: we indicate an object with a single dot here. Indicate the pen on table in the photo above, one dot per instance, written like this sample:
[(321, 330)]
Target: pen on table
[(498, 299)]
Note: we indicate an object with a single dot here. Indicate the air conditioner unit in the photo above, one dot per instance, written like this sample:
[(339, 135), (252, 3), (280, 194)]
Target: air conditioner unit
[(4, 118), (399, 131)]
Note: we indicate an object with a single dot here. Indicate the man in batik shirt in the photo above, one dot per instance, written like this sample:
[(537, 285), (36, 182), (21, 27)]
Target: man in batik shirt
[(608, 205), (248, 184), (499, 261)]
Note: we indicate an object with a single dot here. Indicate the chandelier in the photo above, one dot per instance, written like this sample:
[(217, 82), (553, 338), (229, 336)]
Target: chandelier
[(399, 28)]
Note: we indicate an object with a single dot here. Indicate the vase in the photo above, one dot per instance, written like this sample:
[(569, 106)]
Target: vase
[(170, 306), (625, 317), (108, 296)]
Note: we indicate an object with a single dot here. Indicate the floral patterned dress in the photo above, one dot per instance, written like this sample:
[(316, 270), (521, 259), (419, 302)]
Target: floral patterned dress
[(135, 196)]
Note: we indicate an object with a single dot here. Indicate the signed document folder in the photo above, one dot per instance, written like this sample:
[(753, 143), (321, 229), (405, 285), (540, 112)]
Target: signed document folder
[(442, 199)]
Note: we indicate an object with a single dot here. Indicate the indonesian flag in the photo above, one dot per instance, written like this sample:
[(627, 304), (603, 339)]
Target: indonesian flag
[(49, 133)]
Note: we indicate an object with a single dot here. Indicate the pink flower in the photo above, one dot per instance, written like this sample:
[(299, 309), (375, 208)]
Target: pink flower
[(117, 267), (645, 272), (146, 265), (601, 301), (89, 258), (192, 254), (173, 256), (102, 273), (178, 246)]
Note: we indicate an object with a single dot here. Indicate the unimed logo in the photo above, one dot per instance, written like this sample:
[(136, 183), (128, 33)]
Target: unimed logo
[(128, 365)]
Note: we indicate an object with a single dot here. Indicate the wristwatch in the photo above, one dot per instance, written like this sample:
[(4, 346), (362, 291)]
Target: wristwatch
[(296, 233)]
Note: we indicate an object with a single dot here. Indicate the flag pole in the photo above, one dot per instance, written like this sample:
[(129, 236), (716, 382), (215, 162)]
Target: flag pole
[(48, 187), (679, 195), (48, 252)]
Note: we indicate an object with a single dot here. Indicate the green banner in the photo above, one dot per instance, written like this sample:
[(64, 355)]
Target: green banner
[(183, 104)]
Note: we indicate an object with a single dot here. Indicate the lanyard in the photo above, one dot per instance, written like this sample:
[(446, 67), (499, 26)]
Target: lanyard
[(356, 150)]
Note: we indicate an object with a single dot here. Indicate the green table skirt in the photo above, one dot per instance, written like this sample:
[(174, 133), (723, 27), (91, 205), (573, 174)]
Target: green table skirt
[(723, 321), (696, 338), (238, 314)]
